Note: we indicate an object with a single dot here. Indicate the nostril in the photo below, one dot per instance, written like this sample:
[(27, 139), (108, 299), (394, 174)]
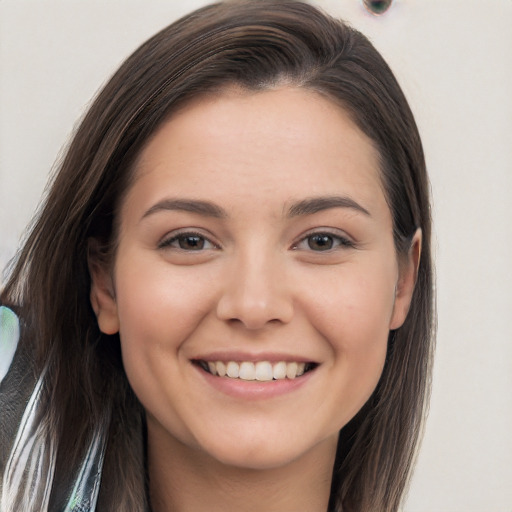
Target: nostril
[(255, 294), (254, 314)]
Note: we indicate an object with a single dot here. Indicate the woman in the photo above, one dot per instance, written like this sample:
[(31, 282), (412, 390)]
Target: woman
[(226, 300)]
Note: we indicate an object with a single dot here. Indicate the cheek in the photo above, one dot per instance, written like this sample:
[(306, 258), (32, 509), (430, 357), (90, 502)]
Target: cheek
[(354, 305), (353, 316), (158, 308), (159, 299)]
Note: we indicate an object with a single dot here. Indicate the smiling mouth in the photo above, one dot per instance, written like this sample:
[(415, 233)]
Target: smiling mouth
[(260, 371)]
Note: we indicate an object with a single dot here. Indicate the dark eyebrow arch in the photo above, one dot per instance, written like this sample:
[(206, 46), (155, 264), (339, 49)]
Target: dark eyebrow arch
[(318, 204), (204, 208)]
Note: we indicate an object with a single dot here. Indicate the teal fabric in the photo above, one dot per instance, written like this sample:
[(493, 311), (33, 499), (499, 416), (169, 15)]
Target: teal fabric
[(9, 338), (27, 475)]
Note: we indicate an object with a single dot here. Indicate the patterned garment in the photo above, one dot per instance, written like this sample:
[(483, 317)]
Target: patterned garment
[(27, 473)]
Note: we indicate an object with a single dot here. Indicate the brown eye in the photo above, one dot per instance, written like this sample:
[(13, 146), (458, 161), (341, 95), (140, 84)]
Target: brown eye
[(323, 241), (191, 242), (320, 242)]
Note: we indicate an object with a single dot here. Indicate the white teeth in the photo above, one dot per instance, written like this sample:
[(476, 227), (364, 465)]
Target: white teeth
[(247, 371), (291, 370), (221, 369), (279, 370), (260, 371), (233, 369), (264, 371)]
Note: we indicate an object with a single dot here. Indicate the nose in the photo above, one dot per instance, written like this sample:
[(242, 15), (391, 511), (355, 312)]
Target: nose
[(256, 294)]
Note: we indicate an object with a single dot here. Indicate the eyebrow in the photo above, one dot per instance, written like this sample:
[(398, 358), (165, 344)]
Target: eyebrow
[(204, 208), (304, 207), (318, 204)]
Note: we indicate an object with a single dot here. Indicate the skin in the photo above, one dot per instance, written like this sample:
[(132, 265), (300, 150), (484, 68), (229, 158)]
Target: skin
[(257, 284)]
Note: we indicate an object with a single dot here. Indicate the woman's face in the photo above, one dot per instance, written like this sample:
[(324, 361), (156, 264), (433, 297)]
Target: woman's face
[(255, 239)]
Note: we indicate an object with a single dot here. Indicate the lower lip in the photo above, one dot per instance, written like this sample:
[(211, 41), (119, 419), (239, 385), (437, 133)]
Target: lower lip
[(253, 389)]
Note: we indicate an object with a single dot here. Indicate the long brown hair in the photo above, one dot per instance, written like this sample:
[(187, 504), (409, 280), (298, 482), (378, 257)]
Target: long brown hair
[(255, 45)]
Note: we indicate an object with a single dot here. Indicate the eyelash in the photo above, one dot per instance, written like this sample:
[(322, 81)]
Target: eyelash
[(336, 240), (177, 237)]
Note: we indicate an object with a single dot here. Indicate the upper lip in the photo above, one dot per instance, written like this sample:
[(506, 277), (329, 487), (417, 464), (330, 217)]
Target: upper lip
[(239, 356)]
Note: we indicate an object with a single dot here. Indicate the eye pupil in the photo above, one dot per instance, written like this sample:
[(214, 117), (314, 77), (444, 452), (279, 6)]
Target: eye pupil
[(191, 242), (320, 242)]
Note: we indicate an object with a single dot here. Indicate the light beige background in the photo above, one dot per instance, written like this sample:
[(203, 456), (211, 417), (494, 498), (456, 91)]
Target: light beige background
[(454, 60)]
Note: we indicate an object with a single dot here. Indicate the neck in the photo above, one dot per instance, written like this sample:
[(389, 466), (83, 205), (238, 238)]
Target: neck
[(182, 479)]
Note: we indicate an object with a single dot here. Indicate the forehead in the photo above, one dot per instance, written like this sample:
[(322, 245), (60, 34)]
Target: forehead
[(283, 142)]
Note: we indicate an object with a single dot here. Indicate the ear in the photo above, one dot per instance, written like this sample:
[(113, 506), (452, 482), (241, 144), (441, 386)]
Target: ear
[(408, 272), (102, 296)]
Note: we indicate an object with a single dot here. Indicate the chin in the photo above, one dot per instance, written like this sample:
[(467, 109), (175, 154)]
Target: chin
[(268, 452), (256, 461)]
